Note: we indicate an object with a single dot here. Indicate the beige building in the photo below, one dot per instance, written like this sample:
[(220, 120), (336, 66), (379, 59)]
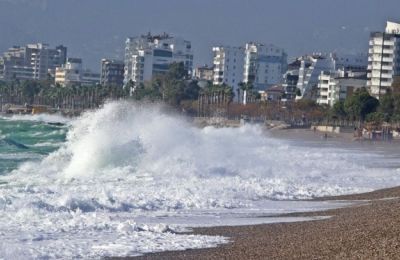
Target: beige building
[(70, 73), (204, 73)]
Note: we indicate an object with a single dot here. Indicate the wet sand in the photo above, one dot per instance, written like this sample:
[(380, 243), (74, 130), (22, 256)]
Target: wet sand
[(370, 230), (367, 230)]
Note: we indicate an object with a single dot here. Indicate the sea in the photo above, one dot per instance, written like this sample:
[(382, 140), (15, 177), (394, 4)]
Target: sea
[(127, 179)]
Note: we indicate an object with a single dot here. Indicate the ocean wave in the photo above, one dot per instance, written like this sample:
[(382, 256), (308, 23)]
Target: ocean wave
[(48, 118), (127, 160)]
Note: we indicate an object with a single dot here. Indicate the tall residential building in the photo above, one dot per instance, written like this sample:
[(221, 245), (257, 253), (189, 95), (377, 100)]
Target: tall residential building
[(228, 66), (384, 59), (148, 55), (264, 65), (310, 70), (290, 79), (112, 72), (326, 90), (33, 61)]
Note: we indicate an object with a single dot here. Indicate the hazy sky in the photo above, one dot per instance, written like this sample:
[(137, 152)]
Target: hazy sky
[(93, 29)]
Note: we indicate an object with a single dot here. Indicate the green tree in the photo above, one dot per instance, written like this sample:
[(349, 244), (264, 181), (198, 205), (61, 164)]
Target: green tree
[(376, 117), (386, 106), (360, 104), (338, 110)]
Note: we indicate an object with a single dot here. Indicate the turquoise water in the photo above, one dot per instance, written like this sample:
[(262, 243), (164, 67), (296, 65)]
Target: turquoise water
[(24, 140)]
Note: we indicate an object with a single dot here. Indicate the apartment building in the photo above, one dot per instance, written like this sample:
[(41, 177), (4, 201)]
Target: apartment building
[(149, 55), (310, 70), (204, 73), (337, 85), (351, 62), (70, 73), (112, 72), (228, 66), (31, 62), (383, 59), (264, 65)]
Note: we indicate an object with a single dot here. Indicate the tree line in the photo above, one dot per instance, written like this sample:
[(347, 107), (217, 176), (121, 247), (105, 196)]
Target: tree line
[(361, 106), (178, 90)]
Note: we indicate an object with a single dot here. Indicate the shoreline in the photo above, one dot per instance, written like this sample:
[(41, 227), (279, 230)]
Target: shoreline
[(361, 231), (364, 230)]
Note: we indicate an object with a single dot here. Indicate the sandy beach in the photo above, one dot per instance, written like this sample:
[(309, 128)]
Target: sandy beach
[(367, 231), (370, 229)]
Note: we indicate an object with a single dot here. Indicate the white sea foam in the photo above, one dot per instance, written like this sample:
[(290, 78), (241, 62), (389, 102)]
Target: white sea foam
[(48, 118), (126, 161)]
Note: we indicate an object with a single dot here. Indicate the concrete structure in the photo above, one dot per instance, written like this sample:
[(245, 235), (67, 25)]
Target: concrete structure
[(351, 62), (228, 66), (273, 93), (326, 88), (264, 65), (347, 84), (383, 59), (70, 73), (148, 55), (310, 70), (112, 72), (90, 78), (204, 73), (31, 62), (337, 85), (290, 79)]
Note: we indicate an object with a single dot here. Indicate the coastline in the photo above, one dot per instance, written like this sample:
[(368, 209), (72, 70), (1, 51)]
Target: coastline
[(364, 230)]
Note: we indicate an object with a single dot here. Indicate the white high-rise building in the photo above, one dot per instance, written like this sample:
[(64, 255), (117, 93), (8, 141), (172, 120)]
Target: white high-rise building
[(264, 65), (309, 72), (228, 66), (148, 55), (384, 59)]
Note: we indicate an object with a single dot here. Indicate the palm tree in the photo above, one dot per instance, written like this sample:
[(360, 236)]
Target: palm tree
[(246, 87)]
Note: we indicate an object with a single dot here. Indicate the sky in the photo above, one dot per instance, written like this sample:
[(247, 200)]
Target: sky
[(96, 29)]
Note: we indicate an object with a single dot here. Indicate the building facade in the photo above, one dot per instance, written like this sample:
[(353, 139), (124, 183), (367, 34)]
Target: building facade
[(337, 85), (149, 55), (71, 73), (228, 66), (290, 79), (204, 73), (112, 72), (90, 78), (264, 65), (31, 62), (310, 70), (351, 62), (383, 59)]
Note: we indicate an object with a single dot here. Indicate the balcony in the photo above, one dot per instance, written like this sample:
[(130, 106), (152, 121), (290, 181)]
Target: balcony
[(375, 50), (386, 83), (387, 75), (388, 51), (387, 68)]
